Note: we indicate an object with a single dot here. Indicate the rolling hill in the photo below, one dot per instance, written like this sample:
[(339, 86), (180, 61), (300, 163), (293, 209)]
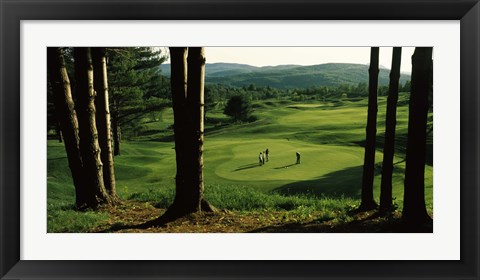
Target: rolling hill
[(290, 76)]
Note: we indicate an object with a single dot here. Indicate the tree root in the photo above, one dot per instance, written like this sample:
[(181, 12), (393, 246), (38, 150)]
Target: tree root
[(177, 211), (367, 206)]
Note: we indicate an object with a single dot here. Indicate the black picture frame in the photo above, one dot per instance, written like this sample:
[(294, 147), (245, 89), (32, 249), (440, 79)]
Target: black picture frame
[(13, 11)]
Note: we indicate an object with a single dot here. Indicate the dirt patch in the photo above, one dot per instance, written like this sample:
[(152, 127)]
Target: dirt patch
[(130, 217)]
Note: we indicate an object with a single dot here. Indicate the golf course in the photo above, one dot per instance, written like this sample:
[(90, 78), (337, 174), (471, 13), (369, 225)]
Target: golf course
[(318, 194)]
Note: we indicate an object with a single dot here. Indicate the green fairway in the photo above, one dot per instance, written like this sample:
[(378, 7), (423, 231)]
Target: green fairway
[(328, 135)]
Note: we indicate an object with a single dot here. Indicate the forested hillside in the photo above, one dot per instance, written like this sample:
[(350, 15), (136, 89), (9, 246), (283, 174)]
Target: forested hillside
[(290, 76)]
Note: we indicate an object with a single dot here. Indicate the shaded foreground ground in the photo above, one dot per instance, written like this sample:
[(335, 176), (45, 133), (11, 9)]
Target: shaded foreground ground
[(130, 217)]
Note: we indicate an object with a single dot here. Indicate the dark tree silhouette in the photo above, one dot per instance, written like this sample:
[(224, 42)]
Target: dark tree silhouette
[(178, 58), (89, 147), (368, 202), (103, 120), (390, 123), (58, 131), (116, 131), (66, 118), (414, 210), (188, 109), (238, 107)]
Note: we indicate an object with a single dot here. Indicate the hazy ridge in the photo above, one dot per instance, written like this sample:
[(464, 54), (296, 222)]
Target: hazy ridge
[(290, 76)]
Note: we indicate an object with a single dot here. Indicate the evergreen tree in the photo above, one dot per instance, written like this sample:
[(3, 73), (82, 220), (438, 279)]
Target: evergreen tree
[(209, 101), (136, 87), (239, 108)]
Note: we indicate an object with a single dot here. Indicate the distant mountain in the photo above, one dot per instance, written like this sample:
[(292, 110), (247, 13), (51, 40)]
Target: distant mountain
[(219, 69), (290, 76)]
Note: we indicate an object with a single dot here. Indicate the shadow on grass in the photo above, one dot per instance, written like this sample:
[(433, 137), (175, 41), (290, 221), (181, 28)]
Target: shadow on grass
[(143, 226), (217, 127), (56, 158), (165, 138), (121, 226), (286, 166), (370, 222), (247, 166), (342, 183)]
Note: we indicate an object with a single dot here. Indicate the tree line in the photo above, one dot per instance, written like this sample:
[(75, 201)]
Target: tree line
[(85, 124), (136, 89), (91, 106), (220, 92)]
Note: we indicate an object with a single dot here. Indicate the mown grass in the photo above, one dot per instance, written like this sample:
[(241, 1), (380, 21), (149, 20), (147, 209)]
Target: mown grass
[(328, 181)]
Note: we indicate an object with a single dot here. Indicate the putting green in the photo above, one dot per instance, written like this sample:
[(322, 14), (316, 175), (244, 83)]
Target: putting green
[(240, 160)]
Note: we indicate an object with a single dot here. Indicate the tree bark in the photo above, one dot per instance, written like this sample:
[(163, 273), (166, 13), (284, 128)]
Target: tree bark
[(116, 133), (178, 57), (58, 131), (195, 105), (187, 98), (67, 119), (89, 147), (103, 120), (390, 123), (368, 203), (414, 209)]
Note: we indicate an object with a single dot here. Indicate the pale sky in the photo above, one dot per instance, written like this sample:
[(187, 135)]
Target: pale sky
[(263, 56)]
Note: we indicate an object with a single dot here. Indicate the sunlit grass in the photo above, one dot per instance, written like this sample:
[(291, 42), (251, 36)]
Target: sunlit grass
[(329, 137)]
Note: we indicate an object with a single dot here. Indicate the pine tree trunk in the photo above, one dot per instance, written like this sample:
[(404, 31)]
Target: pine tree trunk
[(390, 123), (414, 209), (116, 133), (178, 57), (188, 127), (58, 131), (368, 203), (195, 104), (67, 119), (103, 120), (89, 148)]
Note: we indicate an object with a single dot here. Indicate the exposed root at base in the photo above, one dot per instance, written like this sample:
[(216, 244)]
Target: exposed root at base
[(177, 211)]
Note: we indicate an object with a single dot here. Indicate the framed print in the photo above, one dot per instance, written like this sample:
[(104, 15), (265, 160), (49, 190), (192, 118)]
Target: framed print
[(306, 77)]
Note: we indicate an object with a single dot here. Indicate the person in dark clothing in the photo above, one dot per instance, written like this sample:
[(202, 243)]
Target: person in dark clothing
[(266, 154), (298, 157)]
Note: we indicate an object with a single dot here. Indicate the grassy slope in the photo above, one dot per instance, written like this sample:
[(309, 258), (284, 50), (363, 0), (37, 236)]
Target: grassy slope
[(327, 135)]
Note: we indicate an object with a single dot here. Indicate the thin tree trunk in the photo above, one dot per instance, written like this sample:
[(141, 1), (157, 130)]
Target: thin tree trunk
[(58, 131), (67, 119), (368, 202), (116, 133), (89, 148), (390, 123), (103, 120), (178, 57), (414, 209)]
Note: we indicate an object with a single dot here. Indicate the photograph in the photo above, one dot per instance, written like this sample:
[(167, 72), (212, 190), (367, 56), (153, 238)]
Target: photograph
[(171, 139)]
